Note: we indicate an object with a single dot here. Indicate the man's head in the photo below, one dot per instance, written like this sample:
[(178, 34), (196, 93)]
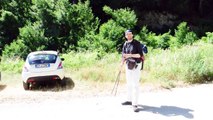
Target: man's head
[(128, 34)]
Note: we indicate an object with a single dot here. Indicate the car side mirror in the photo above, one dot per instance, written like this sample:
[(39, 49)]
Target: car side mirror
[(62, 59)]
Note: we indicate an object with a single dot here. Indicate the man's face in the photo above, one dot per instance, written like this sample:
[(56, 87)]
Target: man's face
[(129, 35)]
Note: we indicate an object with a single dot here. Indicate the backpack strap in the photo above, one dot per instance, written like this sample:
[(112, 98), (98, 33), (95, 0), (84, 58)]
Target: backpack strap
[(124, 47)]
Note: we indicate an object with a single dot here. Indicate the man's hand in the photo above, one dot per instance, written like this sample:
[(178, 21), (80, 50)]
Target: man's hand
[(126, 56)]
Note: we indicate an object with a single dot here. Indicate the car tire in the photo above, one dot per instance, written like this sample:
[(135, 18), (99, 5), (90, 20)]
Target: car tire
[(26, 86)]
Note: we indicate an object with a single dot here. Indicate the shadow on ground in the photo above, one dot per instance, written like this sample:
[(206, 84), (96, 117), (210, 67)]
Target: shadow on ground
[(66, 84), (2, 87), (169, 111)]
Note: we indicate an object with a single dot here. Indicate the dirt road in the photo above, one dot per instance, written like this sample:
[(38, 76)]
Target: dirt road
[(85, 102)]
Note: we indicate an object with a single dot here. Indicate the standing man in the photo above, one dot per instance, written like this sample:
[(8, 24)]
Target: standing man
[(131, 55)]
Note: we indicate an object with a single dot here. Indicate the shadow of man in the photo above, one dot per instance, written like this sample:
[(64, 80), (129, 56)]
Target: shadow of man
[(169, 111)]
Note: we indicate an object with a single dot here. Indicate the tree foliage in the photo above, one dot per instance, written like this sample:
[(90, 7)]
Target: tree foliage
[(113, 30), (184, 35), (208, 38), (123, 17), (66, 25), (8, 27), (110, 35), (58, 25)]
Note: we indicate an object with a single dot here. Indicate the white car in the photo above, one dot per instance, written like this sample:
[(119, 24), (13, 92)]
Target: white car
[(42, 66)]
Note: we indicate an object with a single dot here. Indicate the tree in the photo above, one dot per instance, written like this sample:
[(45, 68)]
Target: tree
[(184, 35), (59, 25), (13, 15), (8, 28), (113, 30)]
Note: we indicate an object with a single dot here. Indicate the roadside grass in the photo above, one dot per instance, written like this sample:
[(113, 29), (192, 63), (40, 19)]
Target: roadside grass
[(190, 64), (94, 69), (164, 68), (11, 79), (11, 65)]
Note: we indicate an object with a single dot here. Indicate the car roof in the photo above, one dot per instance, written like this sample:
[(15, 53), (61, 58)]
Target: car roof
[(44, 52)]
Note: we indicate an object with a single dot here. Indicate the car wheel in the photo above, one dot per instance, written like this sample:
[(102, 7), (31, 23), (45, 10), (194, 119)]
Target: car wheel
[(26, 86)]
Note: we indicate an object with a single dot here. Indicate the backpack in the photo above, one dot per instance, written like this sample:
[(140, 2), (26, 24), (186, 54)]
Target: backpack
[(145, 51), (144, 48)]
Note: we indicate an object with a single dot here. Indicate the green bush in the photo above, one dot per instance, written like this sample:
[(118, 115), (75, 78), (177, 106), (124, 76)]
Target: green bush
[(112, 32), (31, 39), (208, 38), (123, 17), (184, 35), (164, 40), (147, 37), (89, 42), (16, 49), (112, 35)]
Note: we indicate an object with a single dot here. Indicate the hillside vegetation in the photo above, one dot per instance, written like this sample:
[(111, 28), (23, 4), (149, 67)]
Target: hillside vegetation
[(65, 26), (91, 47), (189, 64)]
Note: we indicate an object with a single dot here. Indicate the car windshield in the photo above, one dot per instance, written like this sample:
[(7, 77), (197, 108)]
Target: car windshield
[(42, 58)]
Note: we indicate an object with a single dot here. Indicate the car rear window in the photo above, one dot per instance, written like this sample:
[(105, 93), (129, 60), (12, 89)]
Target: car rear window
[(42, 58)]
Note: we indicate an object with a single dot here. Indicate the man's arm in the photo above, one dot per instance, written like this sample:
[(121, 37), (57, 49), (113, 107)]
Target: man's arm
[(131, 56)]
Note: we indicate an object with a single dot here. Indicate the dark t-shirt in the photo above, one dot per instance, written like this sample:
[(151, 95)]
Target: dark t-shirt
[(133, 47)]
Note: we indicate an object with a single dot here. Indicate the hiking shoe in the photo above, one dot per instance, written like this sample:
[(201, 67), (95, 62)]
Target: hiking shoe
[(135, 108), (127, 103)]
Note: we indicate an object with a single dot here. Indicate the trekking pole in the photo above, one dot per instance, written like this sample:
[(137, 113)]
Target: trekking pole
[(114, 90)]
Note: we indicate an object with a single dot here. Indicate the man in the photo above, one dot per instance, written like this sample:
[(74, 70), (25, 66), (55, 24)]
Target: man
[(131, 55)]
